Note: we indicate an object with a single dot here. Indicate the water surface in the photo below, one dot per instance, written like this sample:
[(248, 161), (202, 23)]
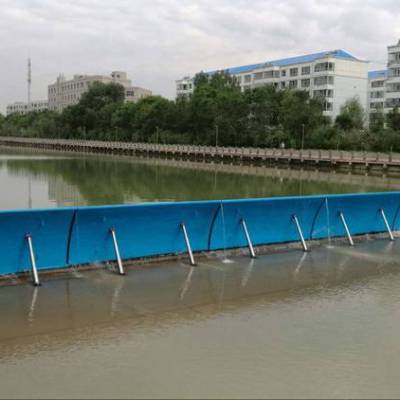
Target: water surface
[(323, 324), (34, 179)]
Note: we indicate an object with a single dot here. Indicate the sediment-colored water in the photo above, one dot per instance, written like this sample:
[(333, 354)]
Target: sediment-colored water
[(291, 324)]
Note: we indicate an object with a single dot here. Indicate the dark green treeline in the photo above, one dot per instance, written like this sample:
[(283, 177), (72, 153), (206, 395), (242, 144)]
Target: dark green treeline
[(219, 113)]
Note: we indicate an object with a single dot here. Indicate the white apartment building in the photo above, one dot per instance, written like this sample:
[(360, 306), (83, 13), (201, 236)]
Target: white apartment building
[(384, 85), (335, 76), (64, 93), (23, 108), (376, 90), (392, 95)]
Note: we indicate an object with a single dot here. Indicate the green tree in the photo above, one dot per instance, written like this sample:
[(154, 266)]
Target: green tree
[(377, 121), (352, 115), (393, 119), (154, 114), (264, 117), (217, 107), (92, 117), (300, 113)]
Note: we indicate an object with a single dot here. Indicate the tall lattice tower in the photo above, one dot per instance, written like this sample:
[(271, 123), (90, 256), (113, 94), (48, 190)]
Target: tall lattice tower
[(29, 80)]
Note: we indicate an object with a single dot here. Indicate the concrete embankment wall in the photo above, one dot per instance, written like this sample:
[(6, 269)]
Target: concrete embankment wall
[(75, 236)]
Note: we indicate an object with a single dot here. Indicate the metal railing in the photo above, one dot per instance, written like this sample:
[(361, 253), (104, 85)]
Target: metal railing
[(317, 156)]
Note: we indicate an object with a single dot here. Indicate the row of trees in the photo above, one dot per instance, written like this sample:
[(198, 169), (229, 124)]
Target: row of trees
[(218, 112)]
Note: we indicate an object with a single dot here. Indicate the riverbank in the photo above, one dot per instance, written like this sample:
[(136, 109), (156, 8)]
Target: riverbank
[(351, 160)]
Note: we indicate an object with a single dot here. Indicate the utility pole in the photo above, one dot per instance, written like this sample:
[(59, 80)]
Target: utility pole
[(302, 136), (29, 80)]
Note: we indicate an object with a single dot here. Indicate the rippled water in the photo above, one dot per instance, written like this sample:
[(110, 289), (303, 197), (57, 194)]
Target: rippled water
[(320, 324)]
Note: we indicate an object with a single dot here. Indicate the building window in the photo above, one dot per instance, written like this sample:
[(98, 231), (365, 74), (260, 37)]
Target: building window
[(247, 78), (394, 58), (391, 103), (323, 80), (268, 74), (323, 93), (325, 66), (293, 84), (376, 84), (376, 105), (294, 71), (306, 70), (257, 76), (377, 95), (305, 83), (283, 73), (394, 87), (283, 84), (394, 72)]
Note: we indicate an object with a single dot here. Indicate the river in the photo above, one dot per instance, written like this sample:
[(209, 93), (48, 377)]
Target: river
[(316, 325)]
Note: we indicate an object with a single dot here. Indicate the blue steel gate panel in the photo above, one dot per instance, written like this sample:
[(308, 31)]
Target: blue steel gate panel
[(49, 231), (142, 230), (71, 236)]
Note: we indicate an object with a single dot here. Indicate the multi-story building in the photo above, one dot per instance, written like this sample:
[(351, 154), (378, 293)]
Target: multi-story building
[(23, 108), (64, 93), (384, 85), (184, 86), (392, 96), (376, 90), (334, 76)]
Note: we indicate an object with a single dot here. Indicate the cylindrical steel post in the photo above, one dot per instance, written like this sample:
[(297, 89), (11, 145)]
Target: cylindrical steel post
[(249, 243), (117, 253), (35, 274), (387, 225), (187, 242), (346, 228), (303, 242)]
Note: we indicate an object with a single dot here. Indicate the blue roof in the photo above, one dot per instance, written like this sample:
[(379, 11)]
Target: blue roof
[(382, 73), (292, 60)]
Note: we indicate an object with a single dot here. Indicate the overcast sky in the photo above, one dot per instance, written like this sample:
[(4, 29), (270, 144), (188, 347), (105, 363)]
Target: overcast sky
[(158, 41)]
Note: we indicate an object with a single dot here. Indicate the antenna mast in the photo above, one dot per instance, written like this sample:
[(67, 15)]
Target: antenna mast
[(29, 80)]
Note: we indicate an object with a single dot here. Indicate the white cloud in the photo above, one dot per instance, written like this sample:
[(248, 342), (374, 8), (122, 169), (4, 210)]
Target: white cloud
[(159, 41)]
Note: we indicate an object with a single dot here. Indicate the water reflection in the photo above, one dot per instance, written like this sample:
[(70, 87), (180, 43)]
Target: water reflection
[(61, 180)]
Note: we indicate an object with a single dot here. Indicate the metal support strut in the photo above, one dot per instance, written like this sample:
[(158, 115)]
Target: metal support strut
[(117, 253), (35, 274), (303, 242), (187, 241), (387, 224), (246, 233), (346, 228)]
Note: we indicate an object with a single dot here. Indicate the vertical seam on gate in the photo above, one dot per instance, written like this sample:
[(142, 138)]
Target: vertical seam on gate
[(71, 228), (210, 232), (315, 219)]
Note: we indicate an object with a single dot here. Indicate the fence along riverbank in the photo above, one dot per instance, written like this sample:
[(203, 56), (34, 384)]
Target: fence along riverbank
[(351, 159), (45, 239)]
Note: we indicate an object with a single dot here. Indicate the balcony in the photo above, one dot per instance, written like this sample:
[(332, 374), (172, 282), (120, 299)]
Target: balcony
[(394, 63), (393, 79), (393, 95)]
